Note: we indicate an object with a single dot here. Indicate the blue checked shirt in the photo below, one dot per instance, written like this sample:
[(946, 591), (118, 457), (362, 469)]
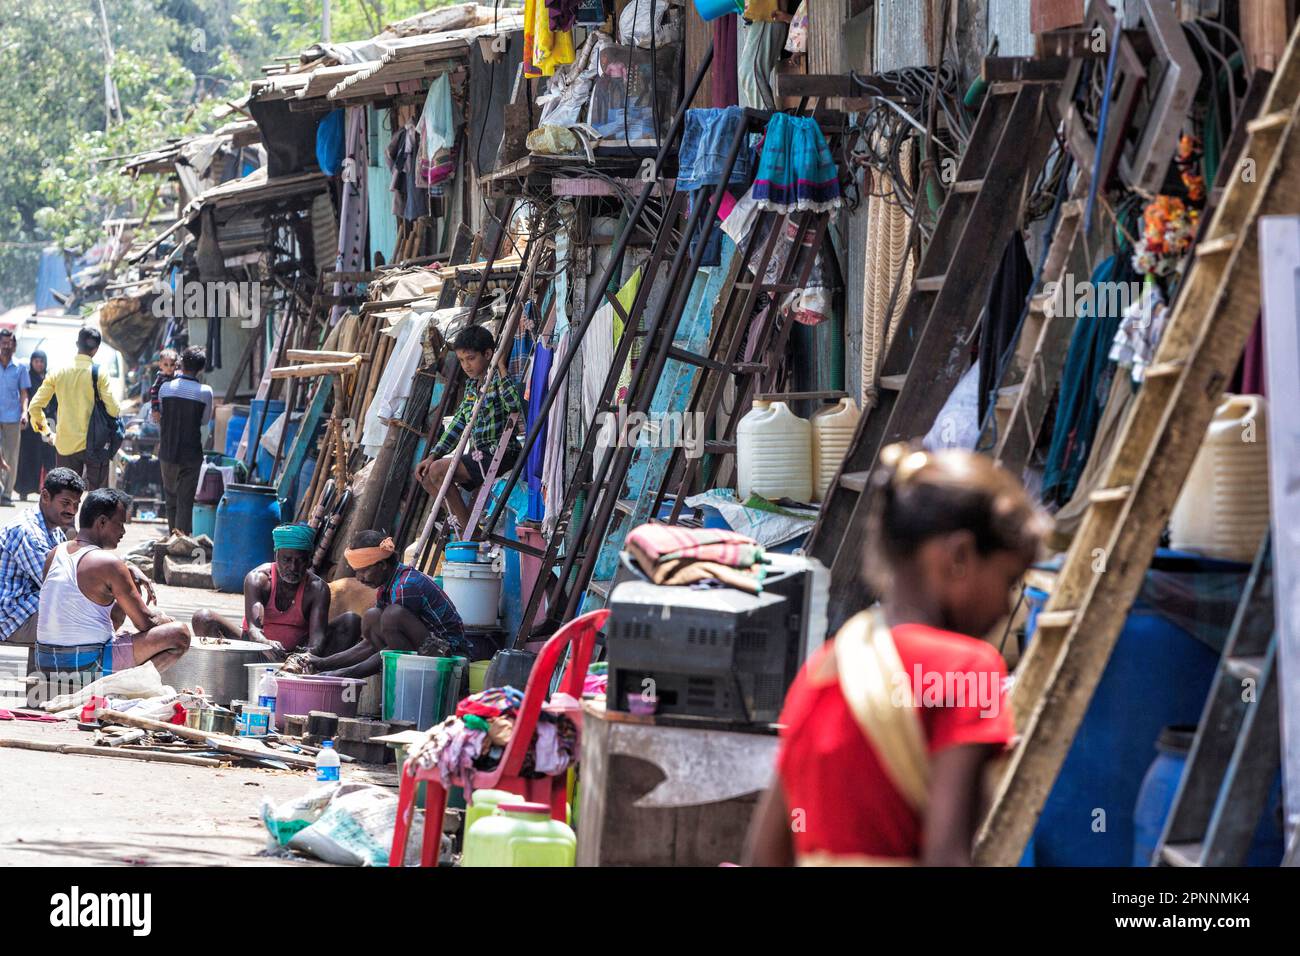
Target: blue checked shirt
[(24, 542), (417, 592)]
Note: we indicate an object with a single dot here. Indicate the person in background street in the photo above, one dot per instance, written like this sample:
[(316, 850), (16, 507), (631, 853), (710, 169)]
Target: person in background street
[(88, 594), (474, 347), (186, 408), (25, 540), (35, 454), (75, 390), (286, 605), (168, 359), (15, 389), (411, 614), (875, 768)]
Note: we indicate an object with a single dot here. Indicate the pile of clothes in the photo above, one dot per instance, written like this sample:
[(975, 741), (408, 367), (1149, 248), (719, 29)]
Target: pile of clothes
[(476, 737), (707, 557)]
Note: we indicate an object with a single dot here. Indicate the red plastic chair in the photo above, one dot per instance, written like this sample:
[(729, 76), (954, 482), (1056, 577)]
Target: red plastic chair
[(581, 634)]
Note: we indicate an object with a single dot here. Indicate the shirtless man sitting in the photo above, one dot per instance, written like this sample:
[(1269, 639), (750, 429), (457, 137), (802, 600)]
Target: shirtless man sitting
[(286, 605), (88, 593)]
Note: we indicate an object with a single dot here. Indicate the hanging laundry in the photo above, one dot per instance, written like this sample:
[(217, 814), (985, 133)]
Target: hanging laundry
[(722, 75), (535, 464), (706, 142), (553, 476), (1085, 384), (796, 170), (1139, 331), (798, 39), (562, 13), (545, 48), (758, 51), (437, 130), (1006, 302), (330, 142), (626, 296)]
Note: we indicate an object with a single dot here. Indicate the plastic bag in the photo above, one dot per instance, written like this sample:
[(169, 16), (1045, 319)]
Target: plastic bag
[(634, 23), (284, 820), (141, 681), (356, 828)]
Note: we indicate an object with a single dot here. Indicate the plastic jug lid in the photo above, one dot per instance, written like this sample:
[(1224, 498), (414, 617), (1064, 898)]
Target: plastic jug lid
[(522, 806), (327, 743)]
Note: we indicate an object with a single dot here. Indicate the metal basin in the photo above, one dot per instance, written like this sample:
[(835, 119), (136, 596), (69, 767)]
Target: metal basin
[(217, 668)]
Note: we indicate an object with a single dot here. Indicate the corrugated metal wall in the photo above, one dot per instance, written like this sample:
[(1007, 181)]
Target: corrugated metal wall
[(1009, 23), (901, 34)]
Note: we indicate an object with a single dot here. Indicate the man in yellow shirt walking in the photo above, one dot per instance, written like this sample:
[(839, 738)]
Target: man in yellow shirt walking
[(73, 387)]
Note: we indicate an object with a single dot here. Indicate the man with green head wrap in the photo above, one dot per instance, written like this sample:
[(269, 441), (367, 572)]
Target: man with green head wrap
[(286, 605)]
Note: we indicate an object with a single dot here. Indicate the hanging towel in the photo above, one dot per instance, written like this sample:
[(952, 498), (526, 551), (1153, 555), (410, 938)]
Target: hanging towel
[(796, 170), (437, 133)]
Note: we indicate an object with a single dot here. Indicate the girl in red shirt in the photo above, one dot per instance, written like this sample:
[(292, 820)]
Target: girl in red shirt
[(889, 726)]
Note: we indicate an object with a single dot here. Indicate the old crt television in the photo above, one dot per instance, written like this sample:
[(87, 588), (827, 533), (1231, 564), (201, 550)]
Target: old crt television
[(709, 652)]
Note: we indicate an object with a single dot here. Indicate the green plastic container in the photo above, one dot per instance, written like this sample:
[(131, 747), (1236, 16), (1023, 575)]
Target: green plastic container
[(484, 803), (519, 834), (478, 675), (390, 681)]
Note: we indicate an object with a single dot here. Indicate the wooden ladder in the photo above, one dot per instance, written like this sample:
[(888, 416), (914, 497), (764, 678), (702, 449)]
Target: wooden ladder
[(926, 356), (1237, 751), (1103, 570)]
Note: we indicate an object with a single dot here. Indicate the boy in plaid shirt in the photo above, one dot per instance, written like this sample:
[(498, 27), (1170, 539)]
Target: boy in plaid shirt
[(474, 347)]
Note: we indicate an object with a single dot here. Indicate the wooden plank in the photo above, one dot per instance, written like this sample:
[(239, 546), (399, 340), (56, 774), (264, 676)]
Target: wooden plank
[(245, 747), (321, 368), (47, 746), (305, 437), (1210, 322)]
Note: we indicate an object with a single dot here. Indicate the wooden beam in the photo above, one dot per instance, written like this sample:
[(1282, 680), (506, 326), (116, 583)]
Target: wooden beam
[(318, 355), (322, 368)]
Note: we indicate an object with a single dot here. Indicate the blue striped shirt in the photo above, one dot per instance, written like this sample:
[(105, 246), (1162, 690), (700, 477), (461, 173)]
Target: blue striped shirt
[(25, 540), (419, 594)]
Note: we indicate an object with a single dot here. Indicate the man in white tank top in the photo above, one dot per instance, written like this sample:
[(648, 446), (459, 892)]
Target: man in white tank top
[(89, 592)]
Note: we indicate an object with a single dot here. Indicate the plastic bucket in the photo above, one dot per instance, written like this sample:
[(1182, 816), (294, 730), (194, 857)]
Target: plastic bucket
[(301, 694), (390, 680), (712, 9), (477, 675), (426, 688), (462, 552), (475, 589), (530, 567), (204, 520)]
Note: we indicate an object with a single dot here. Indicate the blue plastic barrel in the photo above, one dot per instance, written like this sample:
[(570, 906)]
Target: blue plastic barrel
[(235, 431), (1157, 797), (1158, 675), (261, 414), (242, 538)]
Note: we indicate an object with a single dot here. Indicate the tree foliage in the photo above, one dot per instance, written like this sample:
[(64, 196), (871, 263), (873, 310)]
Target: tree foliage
[(173, 63)]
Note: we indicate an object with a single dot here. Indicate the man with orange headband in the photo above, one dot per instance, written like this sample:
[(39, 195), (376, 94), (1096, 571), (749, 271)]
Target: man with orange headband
[(411, 613)]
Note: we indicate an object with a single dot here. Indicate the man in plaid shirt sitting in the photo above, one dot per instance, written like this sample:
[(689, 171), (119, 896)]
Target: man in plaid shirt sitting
[(474, 347)]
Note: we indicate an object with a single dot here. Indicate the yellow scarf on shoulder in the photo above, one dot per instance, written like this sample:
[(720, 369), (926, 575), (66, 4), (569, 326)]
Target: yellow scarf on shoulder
[(879, 694)]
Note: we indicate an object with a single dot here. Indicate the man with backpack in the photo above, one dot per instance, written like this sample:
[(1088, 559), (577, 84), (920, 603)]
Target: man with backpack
[(86, 404)]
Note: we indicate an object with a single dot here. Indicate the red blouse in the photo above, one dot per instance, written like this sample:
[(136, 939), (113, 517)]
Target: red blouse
[(838, 796)]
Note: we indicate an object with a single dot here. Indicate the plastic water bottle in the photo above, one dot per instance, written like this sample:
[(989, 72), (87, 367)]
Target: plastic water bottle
[(266, 690), (327, 764)]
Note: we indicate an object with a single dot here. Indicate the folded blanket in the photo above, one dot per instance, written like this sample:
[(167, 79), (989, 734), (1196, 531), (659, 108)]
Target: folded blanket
[(678, 556)]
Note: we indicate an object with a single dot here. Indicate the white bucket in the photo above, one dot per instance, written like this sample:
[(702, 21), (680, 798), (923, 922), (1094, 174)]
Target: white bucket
[(475, 589)]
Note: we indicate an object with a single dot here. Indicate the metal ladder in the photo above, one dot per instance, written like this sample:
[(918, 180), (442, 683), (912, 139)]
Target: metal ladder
[(1237, 751), (925, 358), (1208, 326)]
